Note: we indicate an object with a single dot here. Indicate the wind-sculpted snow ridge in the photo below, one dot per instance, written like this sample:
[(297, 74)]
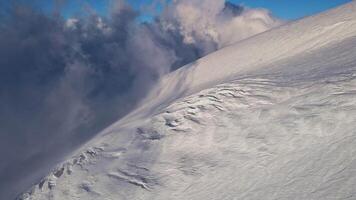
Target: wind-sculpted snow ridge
[(254, 138), (272, 117)]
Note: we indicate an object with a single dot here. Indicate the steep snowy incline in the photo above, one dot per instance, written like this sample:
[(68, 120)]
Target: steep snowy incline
[(271, 117), (260, 52)]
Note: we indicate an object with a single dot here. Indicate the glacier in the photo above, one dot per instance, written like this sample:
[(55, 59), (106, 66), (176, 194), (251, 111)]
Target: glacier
[(269, 117)]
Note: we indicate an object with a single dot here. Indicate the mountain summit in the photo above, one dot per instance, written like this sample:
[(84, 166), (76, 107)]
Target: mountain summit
[(270, 117)]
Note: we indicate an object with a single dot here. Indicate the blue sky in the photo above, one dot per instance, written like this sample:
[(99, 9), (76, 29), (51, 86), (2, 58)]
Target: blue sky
[(292, 9), (285, 9)]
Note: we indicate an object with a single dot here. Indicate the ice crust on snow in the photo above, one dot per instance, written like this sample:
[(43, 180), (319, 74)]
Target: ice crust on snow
[(271, 117)]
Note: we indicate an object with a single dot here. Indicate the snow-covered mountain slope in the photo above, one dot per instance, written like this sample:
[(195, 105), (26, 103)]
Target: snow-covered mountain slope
[(271, 117)]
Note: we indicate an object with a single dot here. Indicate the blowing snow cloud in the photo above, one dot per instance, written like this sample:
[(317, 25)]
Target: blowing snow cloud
[(64, 79)]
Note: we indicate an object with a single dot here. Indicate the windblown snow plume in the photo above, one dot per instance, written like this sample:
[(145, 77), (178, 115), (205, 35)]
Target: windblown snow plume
[(210, 25), (64, 79)]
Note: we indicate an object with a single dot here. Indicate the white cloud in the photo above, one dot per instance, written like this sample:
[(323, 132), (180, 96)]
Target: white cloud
[(212, 24)]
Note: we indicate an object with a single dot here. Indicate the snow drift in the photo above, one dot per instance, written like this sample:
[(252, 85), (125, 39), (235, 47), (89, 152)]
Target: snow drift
[(270, 117)]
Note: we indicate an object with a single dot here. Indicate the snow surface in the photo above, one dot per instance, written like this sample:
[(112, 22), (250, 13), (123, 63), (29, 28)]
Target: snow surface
[(271, 117)]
